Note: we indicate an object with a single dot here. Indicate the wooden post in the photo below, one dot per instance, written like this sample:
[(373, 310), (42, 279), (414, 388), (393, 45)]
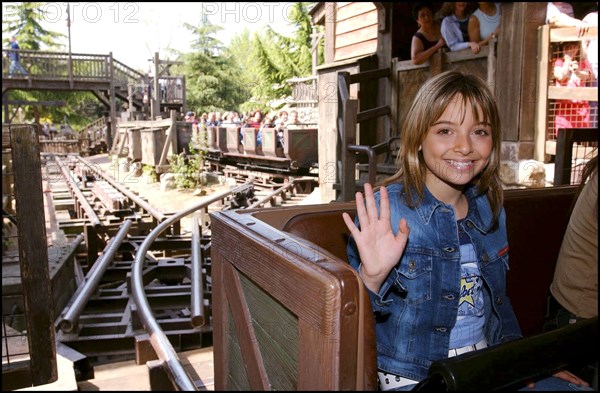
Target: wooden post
[(33, 253), (156, 87), (435, 63), (348, 173), (110, 131), (541, 109), (491, 66)]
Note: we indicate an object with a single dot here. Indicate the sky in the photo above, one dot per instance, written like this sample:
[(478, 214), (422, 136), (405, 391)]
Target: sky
[(134, 31)]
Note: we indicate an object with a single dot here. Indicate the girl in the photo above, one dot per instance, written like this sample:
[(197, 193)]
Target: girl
[(570, 72), (431, 247)]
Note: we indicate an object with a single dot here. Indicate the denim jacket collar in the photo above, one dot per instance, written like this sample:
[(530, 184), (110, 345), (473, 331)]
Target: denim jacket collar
[(480, 214)]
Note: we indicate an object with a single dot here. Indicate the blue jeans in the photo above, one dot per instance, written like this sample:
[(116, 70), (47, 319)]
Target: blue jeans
[(16, 68)]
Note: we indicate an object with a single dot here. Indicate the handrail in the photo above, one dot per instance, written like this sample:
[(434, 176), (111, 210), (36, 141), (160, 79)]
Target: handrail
[(161, 344)]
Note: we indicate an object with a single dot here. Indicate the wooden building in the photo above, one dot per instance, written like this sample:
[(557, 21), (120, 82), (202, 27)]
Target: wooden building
[(370, 42)]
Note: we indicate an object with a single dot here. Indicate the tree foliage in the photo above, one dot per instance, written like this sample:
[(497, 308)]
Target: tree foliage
[(213, 79), (22, 20), (277, 58)]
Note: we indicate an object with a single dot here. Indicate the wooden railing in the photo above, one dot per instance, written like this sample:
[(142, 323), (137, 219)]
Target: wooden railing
[(348, 118), (77, 67), (53, 65), (304, 91)]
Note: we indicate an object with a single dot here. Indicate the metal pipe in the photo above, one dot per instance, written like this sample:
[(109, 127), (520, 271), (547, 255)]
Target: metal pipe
[(368, 150), (197, 301), (159, 340), (93, 278), (89, 211), (126, 191), (271, 195)]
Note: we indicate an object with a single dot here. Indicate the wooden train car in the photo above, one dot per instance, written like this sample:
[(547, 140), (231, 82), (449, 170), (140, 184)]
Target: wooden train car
[(297, 155)]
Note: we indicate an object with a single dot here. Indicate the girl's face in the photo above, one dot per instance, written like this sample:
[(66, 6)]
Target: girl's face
[(571, 49), (460, 7), (456, 148)]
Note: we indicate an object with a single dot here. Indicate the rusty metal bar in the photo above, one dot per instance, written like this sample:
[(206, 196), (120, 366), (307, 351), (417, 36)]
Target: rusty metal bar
[(81, 298), (89, 211), (197, 303), (159, 340), (127, 192)]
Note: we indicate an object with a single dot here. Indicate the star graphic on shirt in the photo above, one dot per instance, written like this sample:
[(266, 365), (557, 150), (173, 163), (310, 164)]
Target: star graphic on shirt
[(466, 291)]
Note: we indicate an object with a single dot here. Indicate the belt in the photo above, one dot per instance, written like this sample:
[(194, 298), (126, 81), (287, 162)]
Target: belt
[(389, 381), (468, 348)]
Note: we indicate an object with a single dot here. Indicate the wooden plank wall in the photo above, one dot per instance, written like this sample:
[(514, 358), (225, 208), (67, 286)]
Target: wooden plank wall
[(355, 30)]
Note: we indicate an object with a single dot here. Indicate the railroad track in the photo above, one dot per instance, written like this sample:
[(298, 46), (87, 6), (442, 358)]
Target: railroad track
[(100, 224)]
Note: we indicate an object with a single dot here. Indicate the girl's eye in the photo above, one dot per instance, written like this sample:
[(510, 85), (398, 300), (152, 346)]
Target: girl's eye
[(444, 131), (481, 131)]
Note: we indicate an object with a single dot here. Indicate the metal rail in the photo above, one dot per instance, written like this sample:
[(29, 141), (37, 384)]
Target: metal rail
[(81, 297), (125, 191), (161, 344), (88, 209), (197, 301)]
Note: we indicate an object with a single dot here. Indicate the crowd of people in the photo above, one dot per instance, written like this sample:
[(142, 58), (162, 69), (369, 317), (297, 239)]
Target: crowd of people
[(456, 26), (459, 26), (279, 120)]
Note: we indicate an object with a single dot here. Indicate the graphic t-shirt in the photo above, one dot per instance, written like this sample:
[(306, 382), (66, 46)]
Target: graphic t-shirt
[(470, 318)]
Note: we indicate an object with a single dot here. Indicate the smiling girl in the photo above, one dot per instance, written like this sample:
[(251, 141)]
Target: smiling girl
[(431, 246)]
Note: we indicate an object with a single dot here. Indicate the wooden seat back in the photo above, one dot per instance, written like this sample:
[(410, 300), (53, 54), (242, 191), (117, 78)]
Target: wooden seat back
[(287, 315)]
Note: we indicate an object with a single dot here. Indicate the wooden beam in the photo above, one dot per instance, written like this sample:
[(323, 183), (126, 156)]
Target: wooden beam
[(34, 103), (33, 253)]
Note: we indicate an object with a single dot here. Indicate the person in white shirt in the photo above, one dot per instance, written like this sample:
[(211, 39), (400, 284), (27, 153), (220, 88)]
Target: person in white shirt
[(455, 27)]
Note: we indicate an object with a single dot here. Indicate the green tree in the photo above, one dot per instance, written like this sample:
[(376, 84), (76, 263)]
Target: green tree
[(276, 58), (213, 79), (22, 20)]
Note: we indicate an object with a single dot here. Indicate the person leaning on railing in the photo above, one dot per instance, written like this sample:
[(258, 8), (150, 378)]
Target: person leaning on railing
[(455, 27), (560, 14), (427, 39), (484, 24)]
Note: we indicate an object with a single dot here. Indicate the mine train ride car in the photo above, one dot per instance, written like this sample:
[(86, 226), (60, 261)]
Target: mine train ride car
[(233, 145)]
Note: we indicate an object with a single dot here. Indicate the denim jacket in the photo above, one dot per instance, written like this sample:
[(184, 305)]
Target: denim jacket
[(417, 304)]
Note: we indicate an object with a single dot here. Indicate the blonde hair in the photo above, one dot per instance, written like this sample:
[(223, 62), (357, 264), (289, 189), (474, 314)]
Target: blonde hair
[(428, 106)]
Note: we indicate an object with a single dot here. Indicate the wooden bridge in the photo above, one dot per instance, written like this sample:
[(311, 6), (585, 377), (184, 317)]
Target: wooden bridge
[(107, 78)]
